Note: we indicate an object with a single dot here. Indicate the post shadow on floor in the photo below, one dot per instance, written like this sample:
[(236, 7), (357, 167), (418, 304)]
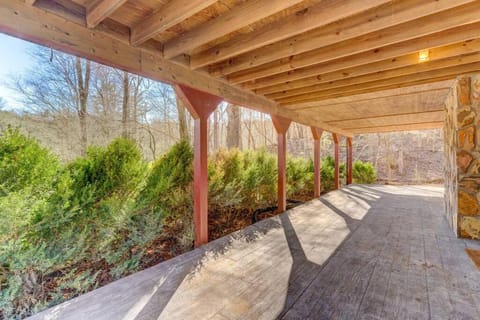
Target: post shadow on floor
[(303, 271), (159, 300)]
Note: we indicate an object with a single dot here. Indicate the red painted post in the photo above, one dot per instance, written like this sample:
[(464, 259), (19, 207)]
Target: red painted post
[(317, 135), (349, 160), (281, 126), (200, 105), (337, 161)]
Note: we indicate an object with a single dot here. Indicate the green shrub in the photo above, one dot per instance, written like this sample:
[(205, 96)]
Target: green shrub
[(299, 178), (24, 164), (364, 172)]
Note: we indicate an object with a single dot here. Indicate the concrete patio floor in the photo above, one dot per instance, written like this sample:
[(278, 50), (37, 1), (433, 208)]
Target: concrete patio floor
[(362, 252)]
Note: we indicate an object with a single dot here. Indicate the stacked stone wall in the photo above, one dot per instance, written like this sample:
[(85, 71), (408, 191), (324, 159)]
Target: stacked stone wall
[(462, 157)]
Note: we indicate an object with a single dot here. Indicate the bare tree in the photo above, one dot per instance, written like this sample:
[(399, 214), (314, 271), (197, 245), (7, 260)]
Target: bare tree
[(234, 128), (83, 87), (58, 85), (182, 121), (125, 105)]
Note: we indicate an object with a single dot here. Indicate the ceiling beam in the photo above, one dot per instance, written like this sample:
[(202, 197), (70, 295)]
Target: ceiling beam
[(458, 49), (32, 24), (380, 75), (166, 17), (411, 118), (30, 2), (395, 14), (403, 127), (445, 38), (316, 16), (99, 10), (237, 18), (397, 82), (375, 41)]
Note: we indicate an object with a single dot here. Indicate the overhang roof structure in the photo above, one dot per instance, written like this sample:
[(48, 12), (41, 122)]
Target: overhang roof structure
[(345, 66)]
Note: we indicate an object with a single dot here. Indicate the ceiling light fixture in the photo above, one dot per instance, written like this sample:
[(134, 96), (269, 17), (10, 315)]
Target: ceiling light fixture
[(423, 55)]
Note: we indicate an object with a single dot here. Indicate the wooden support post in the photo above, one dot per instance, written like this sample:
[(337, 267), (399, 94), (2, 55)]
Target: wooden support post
[(337, 161), (349, 160), (200, 105), (281, 126), (317, 135)]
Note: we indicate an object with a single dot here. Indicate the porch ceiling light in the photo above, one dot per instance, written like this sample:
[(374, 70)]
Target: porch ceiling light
[(423, 55)]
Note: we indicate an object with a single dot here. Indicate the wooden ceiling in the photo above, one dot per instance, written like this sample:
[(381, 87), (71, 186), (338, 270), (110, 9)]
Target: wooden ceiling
[(347, 66)]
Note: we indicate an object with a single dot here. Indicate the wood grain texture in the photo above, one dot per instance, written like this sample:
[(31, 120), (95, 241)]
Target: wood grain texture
[(362, 252), (99, 10), (247, 13)]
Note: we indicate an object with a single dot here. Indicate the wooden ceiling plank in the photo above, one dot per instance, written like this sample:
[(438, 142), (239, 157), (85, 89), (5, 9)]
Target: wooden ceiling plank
[(389, 115), (458, 49), (237, 18), (99, 10), (169, 15), (381, 75), (424, 77), (438, 89), (398, 13), (445, 38), (419, 117), (403, 127), (313, 17), (32, 24)]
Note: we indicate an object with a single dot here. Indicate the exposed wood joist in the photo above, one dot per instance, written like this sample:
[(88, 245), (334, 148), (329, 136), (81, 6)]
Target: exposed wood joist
[(316, 16), (169, 15), (99, 10), (403, 127), (458, 49), (395, 15), (30, 2), (445, 38), (381, 75), (237, 18), (402, 81), (410, 118), (50, 30), (436, 89)]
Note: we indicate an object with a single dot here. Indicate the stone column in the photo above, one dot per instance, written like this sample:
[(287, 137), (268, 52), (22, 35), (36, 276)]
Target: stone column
[(462, 157)]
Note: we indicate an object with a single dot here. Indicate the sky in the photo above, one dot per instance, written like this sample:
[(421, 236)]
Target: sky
[(14, 59)]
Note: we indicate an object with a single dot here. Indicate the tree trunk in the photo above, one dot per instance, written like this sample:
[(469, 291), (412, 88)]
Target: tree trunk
[(125, 105), (182, 121), (83, 83), (234, 136), (215, 144)]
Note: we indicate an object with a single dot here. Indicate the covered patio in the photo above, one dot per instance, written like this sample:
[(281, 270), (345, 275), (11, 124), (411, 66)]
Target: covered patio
[(362, 252), (344, 67)]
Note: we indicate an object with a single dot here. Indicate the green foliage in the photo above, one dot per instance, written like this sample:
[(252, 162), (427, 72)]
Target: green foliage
[(24, 164), (109, 213), (364, 172)]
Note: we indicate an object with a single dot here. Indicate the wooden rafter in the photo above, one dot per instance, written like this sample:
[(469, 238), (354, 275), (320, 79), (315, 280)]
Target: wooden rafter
[(401, 81), (401, 127), (169, 15), (99, 10), (48, 29), (411, 118), (445, 38), (381, 75), (247, 13), (396, 16), (458, 49), (314, 17)]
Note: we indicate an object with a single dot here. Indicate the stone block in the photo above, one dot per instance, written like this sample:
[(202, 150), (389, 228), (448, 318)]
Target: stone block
[(467, 204), (463, 160), (469, 227), (475, 96), (466, 138), (465, 118), (470, 184), (463, 92)]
